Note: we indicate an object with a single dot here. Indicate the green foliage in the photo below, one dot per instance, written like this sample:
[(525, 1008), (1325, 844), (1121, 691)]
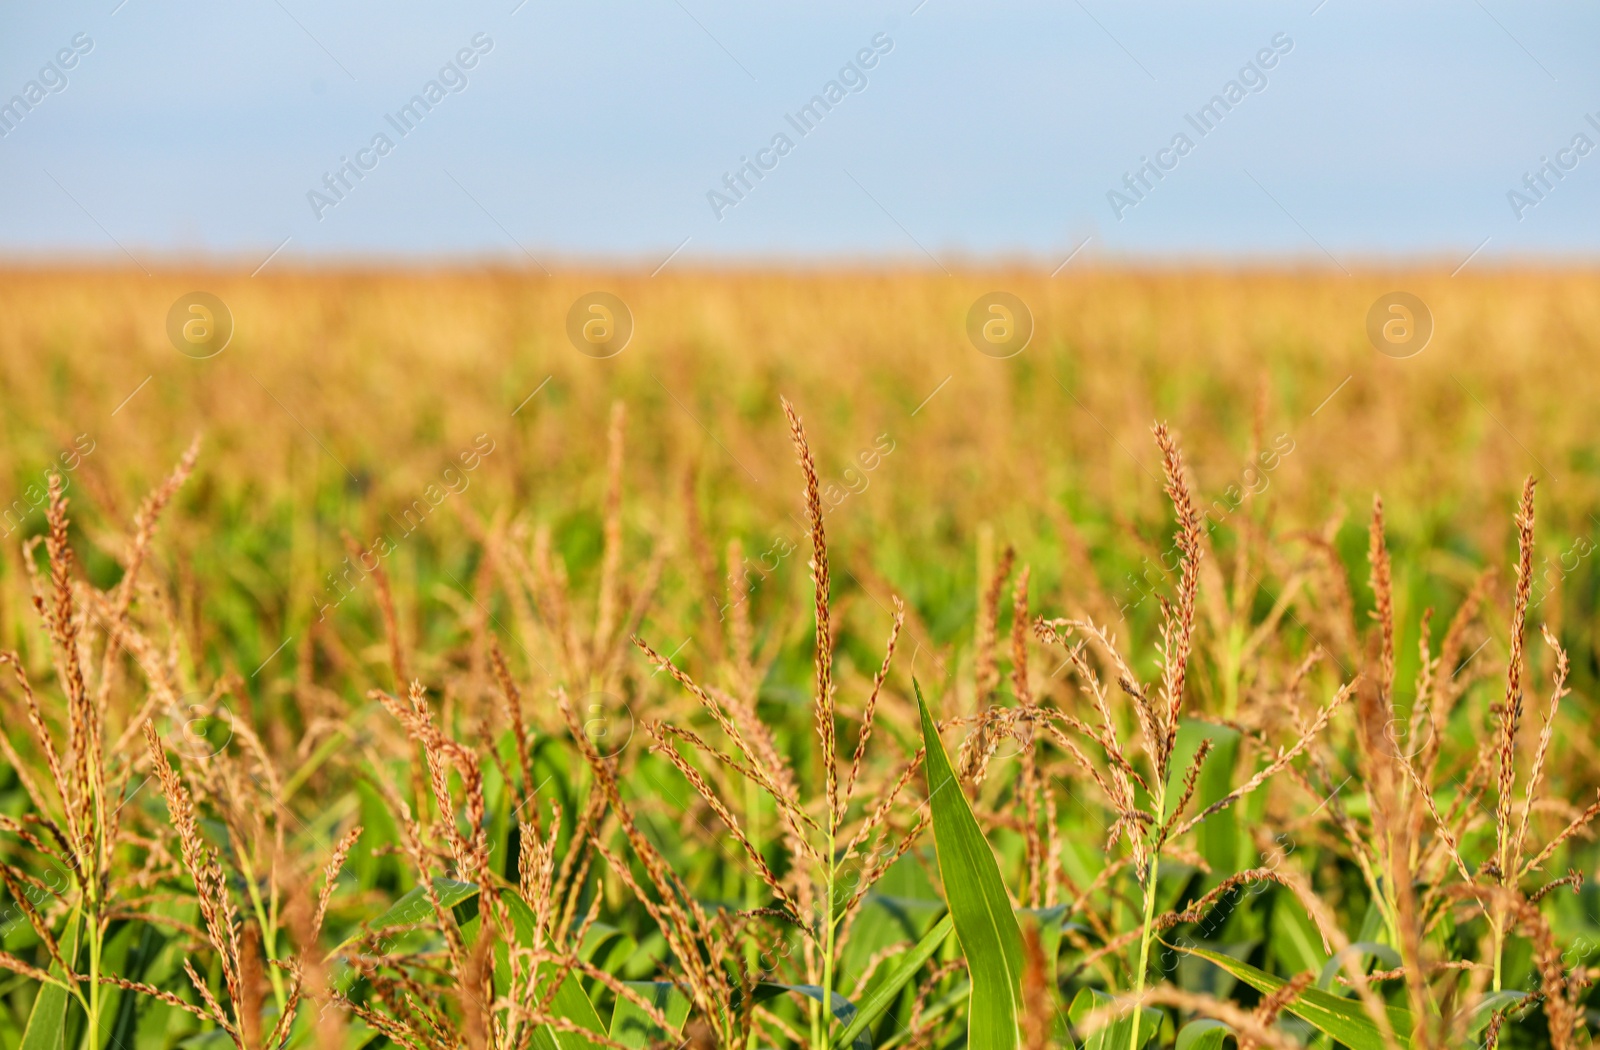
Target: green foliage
[(979, 904), (632, 1027), (884, 994), (1114, 1030), (1204, 1034), (248, 602), (1343, 1019)]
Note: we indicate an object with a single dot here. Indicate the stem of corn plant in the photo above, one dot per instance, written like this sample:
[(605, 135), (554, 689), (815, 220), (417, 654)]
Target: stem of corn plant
[(90, 883), (827, 942), (337, 739), (1144, 951), (753, 886), (1497, 913), (83, 913), (76, 927), (92, 1008), (1149, 919), (1233, 657), (1499, 945), (269, 932), (93, 1011)]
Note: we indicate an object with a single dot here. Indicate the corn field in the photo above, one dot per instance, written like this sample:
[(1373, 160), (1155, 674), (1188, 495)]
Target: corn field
[(798, 677)]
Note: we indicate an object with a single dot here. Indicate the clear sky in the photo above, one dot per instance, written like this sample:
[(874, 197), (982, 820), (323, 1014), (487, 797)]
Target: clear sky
[(980, 131)]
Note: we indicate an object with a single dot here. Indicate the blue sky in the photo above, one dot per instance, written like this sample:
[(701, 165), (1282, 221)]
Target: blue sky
[(994, 131)]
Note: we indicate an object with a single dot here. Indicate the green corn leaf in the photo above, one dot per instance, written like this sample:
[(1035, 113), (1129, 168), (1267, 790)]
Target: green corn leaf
[(883, 996), (1051, 924), (606, 947), (414, 907), (844, 1011), (632, 1027), (1118, 1033), (1485, 1010), (1382, 952), (524, 927), (1344, 1020), (48, 1021), (883, 920), (1219, 833), (136, 962), (47, 1024), (572, 1004), (1295, 943), (981, 910), (1204, 1034)]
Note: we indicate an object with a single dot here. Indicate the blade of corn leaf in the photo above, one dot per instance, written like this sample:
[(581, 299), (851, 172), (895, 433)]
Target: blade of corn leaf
[(1219, 833), (1485, 1010), (883, 996), (883, 920), (1116, 1033), (844, 1011), (47, 1023), (1344, 1020), (632, 1027), (985, 925), (136, 964), (413, 907), (1382, 952), (1051, 923), (1204, 1034), (606, 946), (1296, 944), (572, 1004)]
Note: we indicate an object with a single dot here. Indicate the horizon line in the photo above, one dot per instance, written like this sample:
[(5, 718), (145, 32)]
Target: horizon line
[(1464, 262)]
